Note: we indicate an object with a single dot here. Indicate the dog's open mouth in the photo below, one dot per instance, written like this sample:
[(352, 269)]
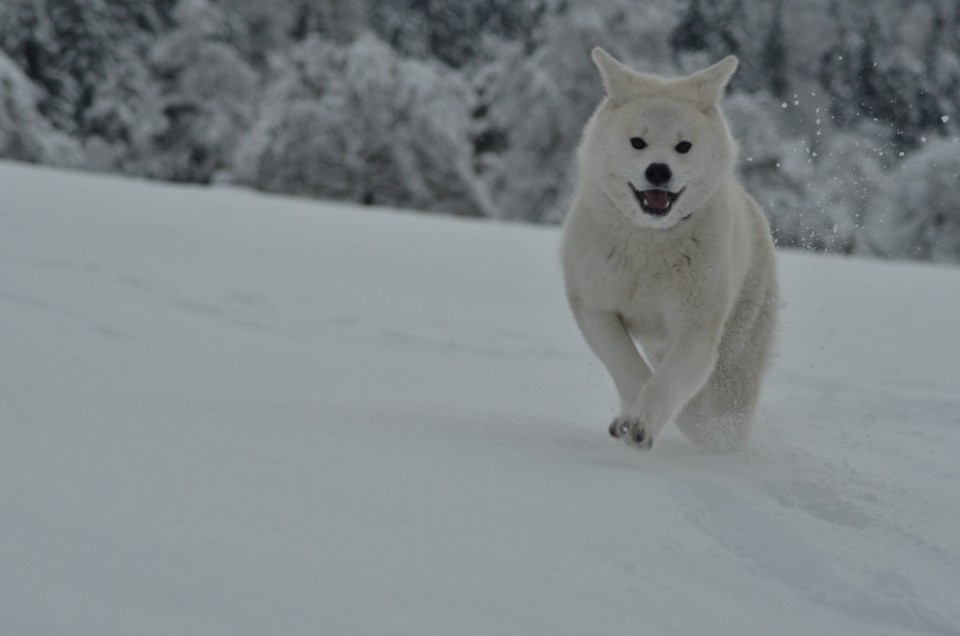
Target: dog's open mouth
[(655, 202)]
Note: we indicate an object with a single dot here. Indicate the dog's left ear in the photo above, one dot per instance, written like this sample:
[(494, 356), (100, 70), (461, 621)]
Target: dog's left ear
[(709, 83)]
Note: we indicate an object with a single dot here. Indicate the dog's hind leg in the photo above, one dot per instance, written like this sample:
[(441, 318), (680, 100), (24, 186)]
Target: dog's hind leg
[(720, 416)]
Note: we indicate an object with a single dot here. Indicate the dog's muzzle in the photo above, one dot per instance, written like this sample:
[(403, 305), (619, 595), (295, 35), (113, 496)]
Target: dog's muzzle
[(655, 202)]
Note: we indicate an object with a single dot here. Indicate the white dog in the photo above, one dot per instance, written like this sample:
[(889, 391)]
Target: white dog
[(664, 248)]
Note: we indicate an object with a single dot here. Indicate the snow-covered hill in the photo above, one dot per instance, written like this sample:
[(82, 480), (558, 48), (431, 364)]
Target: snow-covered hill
[(229, 413)]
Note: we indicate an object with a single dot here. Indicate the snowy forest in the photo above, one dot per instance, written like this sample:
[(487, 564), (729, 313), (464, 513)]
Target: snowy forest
[(846, 110)]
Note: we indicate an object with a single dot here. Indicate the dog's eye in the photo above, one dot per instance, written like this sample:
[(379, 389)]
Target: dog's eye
[(683, 147), (638, 143)]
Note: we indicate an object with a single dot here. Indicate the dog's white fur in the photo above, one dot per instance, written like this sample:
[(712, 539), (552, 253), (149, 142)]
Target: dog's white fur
[(695, 288)]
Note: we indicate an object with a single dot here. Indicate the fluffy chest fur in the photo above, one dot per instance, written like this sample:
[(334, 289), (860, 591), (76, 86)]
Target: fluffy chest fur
[(646, 276)]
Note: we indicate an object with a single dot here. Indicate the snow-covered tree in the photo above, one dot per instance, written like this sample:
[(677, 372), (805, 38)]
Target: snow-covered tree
[(76, 46), (360, 123), (845, 192), (453, 31), (775, 54), (871, 77), (24, 134), (711, 30), (207, 96), (922, 219)]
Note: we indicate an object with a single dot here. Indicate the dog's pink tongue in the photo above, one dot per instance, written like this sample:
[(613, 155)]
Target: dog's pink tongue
[(657, 199)]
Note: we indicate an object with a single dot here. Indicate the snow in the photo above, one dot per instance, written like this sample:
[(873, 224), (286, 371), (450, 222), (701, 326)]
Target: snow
[(231, 413)]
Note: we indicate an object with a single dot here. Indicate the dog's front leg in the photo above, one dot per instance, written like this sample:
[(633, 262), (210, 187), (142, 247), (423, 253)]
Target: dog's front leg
[(609, 339), (685, 369)]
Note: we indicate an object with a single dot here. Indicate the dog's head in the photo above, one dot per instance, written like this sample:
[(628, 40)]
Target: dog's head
[(658, 147)]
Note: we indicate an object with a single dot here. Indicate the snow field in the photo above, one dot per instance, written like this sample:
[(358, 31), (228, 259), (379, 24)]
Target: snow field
[(223, 412)]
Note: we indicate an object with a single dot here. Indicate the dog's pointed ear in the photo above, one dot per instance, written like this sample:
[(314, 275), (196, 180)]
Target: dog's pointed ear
[(618, 80), (709, 83)]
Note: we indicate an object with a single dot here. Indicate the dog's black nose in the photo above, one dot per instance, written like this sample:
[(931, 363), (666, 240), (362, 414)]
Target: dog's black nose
[(658, 173)]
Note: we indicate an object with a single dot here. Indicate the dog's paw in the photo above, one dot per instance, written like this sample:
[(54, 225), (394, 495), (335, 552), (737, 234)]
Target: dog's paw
[(633, 431)]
